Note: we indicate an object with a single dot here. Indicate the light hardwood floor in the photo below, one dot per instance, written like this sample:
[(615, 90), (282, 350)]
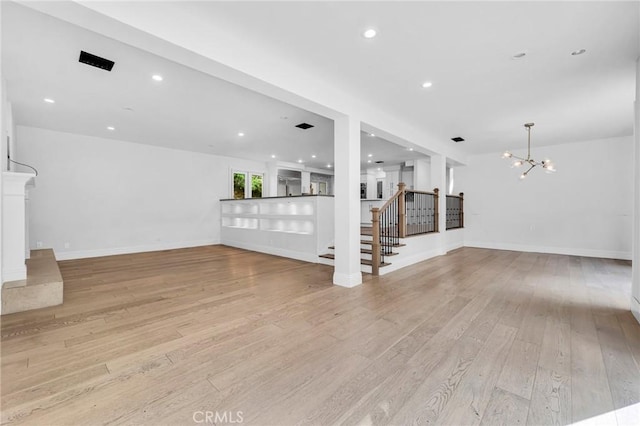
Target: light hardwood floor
[(474, 337)]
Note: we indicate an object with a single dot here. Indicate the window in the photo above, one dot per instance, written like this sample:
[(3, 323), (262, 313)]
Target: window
[(256, 186), (247, 185)]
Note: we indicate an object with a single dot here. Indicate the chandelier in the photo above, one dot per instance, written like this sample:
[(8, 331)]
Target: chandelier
[(546, 164)]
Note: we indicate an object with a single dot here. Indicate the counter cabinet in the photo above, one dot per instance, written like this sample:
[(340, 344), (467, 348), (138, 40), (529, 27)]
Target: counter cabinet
[(300, 227)]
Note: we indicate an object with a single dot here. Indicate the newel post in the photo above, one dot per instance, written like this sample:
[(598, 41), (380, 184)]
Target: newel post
[(375, 245), (436, 213), (462, 210), (402, 211)]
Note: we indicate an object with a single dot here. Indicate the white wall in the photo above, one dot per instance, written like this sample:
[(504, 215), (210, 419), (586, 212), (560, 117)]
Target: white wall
[(391, 180), (585, 208), (422, 175), (407, 178), (635, 285), (103, 196)]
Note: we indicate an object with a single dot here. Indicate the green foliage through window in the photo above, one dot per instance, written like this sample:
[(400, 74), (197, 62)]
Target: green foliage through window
[(239, 185), (256, 186)]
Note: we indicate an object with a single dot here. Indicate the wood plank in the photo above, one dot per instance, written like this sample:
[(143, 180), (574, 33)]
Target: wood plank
[(622, 371), (468, 404), (588, 371), (476, 336), (551, 398), (505, 409), (519, 371)]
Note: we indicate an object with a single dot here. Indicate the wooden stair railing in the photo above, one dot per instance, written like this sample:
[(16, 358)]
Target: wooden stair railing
[(389, 224), (386, 222)]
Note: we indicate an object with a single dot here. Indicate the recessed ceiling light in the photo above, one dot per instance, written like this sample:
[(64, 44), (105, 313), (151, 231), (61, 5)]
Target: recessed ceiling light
[(578, 52), (240, 134), (313, 156), (370, 155), (299, 161), (379, 169), (372, 135), (49, 101), (368, 161), (519, 55), (157, 77), (410, 149), (427, 84), (329, 166), (273, 156), (369, 33), (110, 128)]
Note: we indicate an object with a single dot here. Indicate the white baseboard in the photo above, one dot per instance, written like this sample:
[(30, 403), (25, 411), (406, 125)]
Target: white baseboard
[(455, 245), (404, 261), (83, 254), (605, 254), (307, 257)]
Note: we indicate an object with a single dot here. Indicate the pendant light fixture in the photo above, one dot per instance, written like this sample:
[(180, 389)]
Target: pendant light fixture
[(546, 164)]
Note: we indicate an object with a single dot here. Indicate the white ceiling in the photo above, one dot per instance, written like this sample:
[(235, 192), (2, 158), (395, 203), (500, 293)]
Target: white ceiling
[(188, 110), (464, 48)]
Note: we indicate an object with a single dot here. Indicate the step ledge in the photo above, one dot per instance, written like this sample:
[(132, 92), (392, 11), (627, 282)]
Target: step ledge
[(42, 288)]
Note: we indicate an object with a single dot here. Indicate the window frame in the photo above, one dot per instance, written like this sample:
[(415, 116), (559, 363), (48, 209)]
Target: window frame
[(248, 177)]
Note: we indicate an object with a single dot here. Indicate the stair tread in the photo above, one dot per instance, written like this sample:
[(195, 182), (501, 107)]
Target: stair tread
[(362, 261), (367, 251), (369, 242), (368, 262)]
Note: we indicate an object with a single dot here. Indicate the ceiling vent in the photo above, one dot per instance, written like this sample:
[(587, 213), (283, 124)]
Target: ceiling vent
[(95, 61), (379, 162), (304, 126), (457, 139)]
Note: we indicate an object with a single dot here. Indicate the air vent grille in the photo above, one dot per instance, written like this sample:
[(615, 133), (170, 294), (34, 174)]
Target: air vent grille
[(95, 61), (457, 139), (304, 126)]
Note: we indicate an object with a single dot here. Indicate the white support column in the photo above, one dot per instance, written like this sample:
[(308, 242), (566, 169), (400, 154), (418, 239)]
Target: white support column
[(372, 185), (347, 202), (422, 176), (272, 180), (439, 180), (391, 180), (635, 285), (305, 181)]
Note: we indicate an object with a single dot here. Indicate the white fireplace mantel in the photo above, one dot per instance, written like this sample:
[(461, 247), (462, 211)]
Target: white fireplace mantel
[(14, 224)]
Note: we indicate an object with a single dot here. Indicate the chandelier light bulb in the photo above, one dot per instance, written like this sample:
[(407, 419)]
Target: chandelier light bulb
[(523, 176), (517, 163), (507, 154)]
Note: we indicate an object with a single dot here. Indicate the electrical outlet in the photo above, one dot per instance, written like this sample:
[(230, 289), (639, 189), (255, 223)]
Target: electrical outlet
[(38, 244), (67, 245)]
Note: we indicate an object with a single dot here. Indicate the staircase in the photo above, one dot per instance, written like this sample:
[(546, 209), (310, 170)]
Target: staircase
[(365, 250), (43, 286), (407, 212)]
